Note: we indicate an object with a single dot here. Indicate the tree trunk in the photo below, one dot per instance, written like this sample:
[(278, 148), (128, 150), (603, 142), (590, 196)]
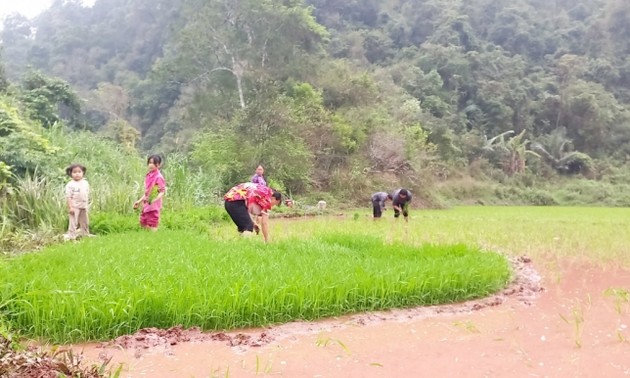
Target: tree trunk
[(238, 69)]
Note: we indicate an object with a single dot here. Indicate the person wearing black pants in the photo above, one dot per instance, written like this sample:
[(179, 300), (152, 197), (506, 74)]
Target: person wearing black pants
[(400, 202), (378, 203), (237, 210), (248, 206)]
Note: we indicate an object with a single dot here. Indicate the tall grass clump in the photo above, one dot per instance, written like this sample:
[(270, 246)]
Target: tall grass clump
[(115, 173), (117, 284), (33, 212), (36, 201), (190, 186)]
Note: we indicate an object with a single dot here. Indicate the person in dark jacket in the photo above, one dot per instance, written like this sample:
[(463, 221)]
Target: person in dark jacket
[(400, 202)]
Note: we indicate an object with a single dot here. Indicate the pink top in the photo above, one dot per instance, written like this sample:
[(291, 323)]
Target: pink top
[(153, 184), (251, 193)]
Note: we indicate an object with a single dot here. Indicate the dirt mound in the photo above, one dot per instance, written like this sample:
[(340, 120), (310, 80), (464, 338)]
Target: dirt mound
[(154, 337)]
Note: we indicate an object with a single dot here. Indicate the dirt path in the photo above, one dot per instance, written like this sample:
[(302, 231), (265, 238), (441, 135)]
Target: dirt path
[(559, 323)]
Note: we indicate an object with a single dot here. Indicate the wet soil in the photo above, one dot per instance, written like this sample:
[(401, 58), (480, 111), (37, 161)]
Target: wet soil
[(557, 319)]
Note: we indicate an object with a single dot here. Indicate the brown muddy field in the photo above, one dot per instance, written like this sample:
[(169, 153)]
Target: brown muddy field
[(558, 319)]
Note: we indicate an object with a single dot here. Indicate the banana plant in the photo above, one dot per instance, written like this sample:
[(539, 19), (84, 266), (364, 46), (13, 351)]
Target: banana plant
[(512, 152), (555, 150)]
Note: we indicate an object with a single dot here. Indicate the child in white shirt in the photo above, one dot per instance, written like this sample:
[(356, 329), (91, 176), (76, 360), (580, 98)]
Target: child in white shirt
[(77, 197)]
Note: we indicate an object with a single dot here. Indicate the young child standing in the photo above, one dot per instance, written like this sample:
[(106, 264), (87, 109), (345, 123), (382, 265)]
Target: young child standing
[(154, 190), (77, 198), (258, 177)]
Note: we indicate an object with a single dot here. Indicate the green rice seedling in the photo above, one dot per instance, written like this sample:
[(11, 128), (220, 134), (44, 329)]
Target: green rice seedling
[(468, 326), (115, 284), (578, 233), (259, 367), (577, 320), (620, 296), (313, 268), (326, 341), (217, 373), (201, 219)]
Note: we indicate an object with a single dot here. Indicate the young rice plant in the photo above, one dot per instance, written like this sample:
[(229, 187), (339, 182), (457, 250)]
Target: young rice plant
[(116, 284)]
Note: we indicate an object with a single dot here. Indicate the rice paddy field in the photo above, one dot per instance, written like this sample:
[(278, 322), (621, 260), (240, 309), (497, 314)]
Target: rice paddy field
[(314, 267)]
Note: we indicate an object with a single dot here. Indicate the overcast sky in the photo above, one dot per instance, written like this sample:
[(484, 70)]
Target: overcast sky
[(29, 8)]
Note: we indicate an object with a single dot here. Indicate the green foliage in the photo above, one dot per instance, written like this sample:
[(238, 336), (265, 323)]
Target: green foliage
[(33, 207), (49, 100), (345, 134), (325, 94), (5, 175), (555, 150), (511, 153), (188, 185), (22, 145), (593, 117), (342, 86), (267, 133), (123, 133), (220, 151), (200, 219), (102, 223), (577, 192), (527, 196), (4, 82), (116, 284)]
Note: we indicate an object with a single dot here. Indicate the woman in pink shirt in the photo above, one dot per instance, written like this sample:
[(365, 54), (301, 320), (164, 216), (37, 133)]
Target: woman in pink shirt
[(154, 190)]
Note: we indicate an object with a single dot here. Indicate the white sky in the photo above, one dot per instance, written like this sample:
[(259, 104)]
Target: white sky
[(29, 8)]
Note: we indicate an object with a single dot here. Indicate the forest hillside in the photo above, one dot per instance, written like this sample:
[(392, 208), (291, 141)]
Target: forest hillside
[(520, 101)]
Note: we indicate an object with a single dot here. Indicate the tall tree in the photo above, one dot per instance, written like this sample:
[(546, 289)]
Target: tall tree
[(4, 82), (245, 38), (16, 36)]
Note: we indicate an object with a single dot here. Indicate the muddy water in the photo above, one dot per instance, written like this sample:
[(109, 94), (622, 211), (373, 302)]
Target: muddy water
[(559, 323)]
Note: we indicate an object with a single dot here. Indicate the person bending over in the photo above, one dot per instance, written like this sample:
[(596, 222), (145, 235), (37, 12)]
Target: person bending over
[(400, 202), (378, 203), (248, 205)]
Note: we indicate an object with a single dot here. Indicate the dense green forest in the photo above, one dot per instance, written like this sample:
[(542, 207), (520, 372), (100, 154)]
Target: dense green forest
[(458, 100)]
